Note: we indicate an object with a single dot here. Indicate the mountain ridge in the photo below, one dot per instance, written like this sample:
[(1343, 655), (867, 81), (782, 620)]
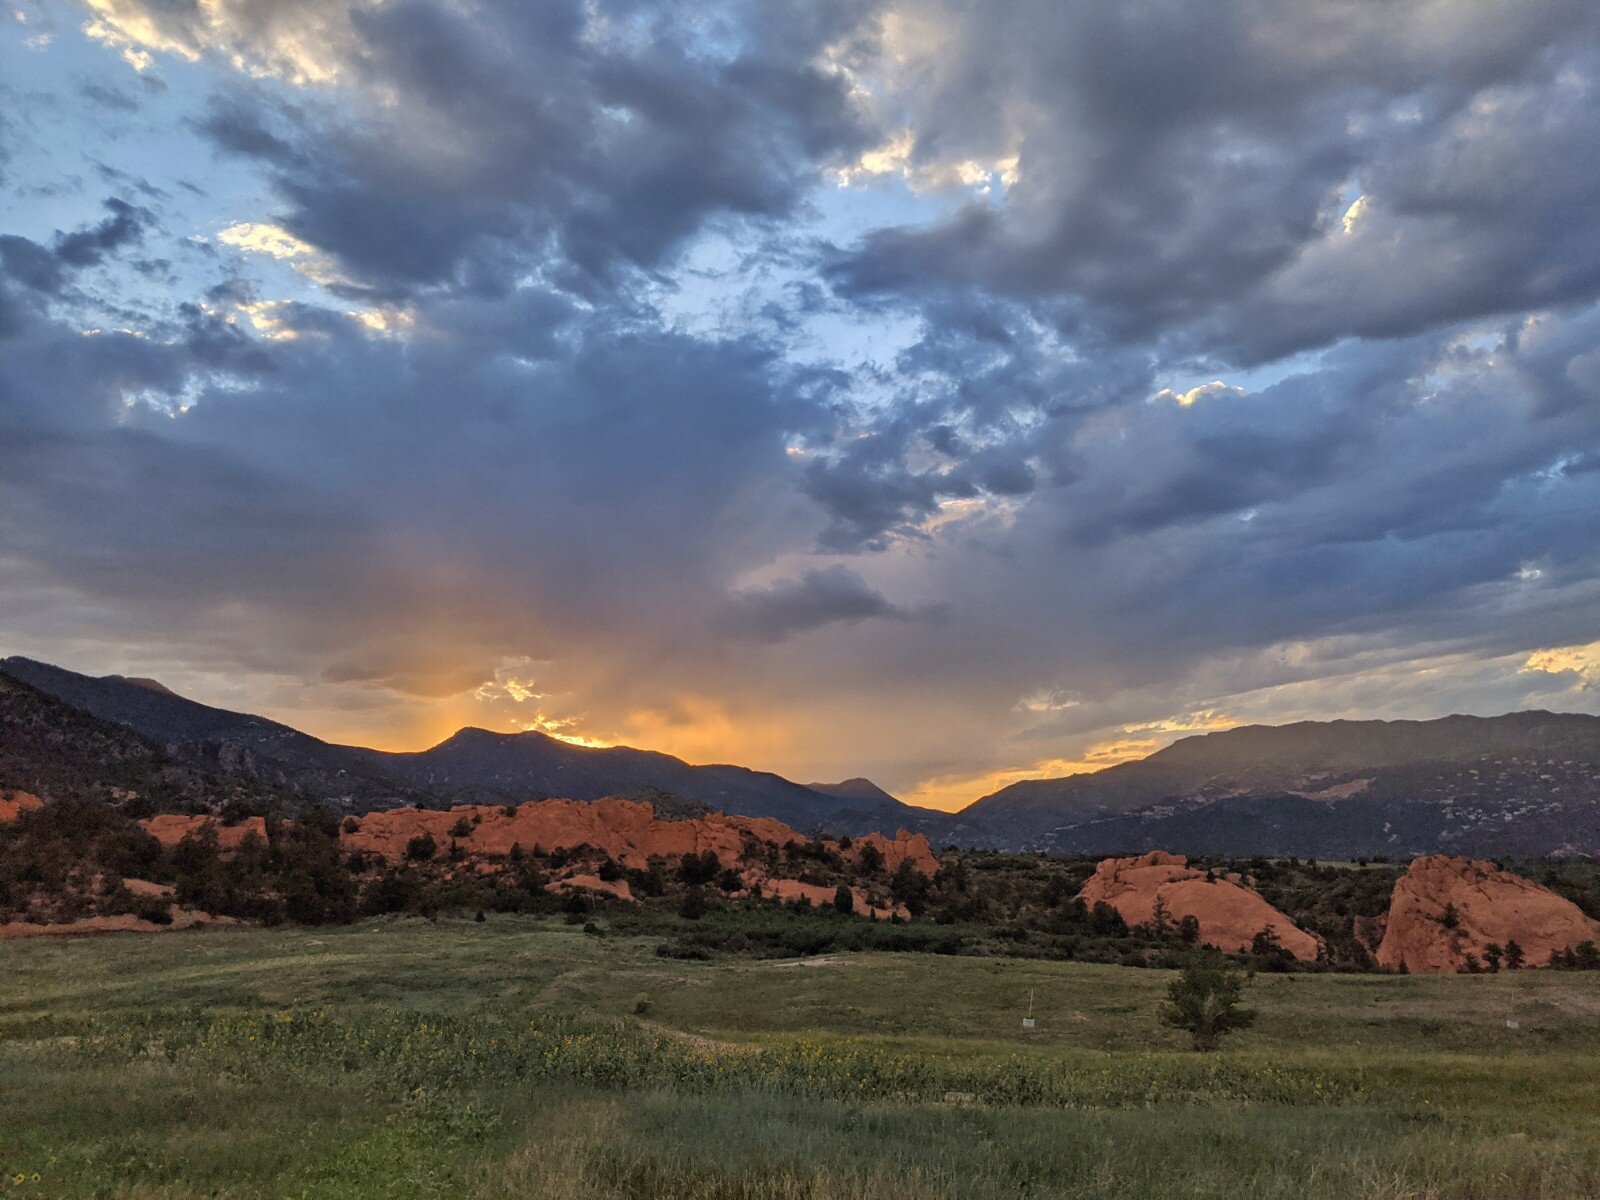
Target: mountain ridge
[(471, 765), (1525, 783), (1446, 781)]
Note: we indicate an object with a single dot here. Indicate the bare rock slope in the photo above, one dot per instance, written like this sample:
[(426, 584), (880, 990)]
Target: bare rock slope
[(1230, 913), (1447, 912)]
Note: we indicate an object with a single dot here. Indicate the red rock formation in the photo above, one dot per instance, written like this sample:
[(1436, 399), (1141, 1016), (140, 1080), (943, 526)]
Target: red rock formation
[(1230, 914), (593, 883), (182, 918), (14, 804), (818, 896), (903, 847), (1444, 909), (171, 828), (628, 832)]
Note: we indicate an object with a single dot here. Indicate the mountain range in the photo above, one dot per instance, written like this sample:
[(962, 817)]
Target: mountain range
[(471, 766), (1525, 784)]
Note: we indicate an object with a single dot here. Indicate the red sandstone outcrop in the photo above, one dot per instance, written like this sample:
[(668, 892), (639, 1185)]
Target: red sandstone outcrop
[(625, 831), (819, 897), (171, 828), (1230, 914), (1445, 909), (581, 882), (903, 847), (629, 832), (14, 804), (182, 918)]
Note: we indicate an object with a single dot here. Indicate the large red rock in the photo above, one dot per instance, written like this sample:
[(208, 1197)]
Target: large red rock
[(1230, 914), (14, 804), (818, 896), (581, 882), (903, 847), (626, 831), (1445, 909), (629, 832), (171, 828)]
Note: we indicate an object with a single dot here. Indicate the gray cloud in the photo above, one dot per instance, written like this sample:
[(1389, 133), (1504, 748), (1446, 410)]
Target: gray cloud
[(593, 143), (1184, 174), (45, 269), (819, 597)]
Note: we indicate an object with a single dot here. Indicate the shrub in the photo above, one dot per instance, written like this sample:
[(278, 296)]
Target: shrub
[(1204, 1002), (154, 909)]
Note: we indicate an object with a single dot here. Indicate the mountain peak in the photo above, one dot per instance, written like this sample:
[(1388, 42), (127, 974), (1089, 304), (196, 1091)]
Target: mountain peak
[(139, 681), (855, 788)]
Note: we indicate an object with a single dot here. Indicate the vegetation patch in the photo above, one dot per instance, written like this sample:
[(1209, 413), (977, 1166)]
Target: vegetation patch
[(412, 1056)]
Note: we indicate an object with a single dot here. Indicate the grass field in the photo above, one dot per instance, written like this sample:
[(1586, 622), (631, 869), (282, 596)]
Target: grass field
[(520, 1058)]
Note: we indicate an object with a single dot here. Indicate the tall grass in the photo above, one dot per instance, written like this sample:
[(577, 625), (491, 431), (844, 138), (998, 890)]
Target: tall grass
[(410, 1060), (413, 1055)]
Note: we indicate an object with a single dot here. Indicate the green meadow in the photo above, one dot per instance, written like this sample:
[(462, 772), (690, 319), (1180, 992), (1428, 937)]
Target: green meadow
[(526, 1058)]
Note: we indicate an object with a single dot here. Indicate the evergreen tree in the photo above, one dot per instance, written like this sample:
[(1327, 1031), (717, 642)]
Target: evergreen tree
[(1204, 1002)]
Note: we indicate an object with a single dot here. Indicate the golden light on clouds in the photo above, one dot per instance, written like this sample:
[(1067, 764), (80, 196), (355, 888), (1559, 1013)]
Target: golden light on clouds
[(300, 44), (267, 317), (951, 792), (385, 322), (699, 729), (1129, 742), (274, 241), (259, 238), (896, 157), (1206, 391), (1583, 662), (1353, 214)]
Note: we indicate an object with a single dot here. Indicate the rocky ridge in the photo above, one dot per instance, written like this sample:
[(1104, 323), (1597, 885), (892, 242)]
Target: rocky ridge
[(1452, 914), (1230, 913)]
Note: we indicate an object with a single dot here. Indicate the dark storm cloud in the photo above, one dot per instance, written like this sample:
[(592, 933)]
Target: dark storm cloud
[(461, 486), (29, 263), (241, 124), (817, 598), (1183, 172), (45, 269), (593, 142), (86, 247)]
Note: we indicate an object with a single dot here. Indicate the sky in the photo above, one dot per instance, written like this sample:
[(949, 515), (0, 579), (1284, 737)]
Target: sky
[(941, 392)]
